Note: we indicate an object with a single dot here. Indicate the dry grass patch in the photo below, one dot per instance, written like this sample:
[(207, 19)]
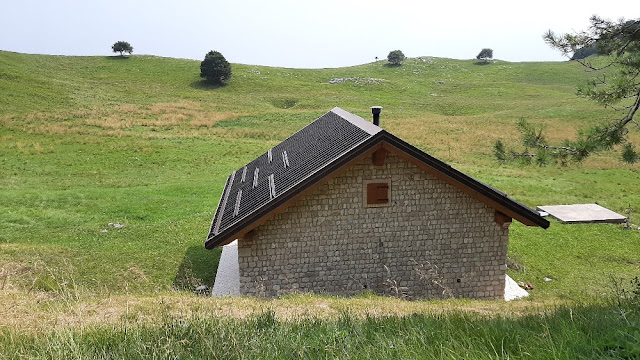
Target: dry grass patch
[(133, 274), (181, 107), (608, 161), (41, 311), (451, 138), (29, 148), (209, 119), (123, 120), (65, 128), (128, 108), (455, 138), (11, 270), (110, 122), (164, 121)]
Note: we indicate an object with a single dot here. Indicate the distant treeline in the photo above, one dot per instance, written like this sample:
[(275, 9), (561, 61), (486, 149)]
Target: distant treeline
[(584, 52)]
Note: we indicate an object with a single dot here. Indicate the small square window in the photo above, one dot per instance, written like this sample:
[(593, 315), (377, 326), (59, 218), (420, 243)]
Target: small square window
[(377, 193)]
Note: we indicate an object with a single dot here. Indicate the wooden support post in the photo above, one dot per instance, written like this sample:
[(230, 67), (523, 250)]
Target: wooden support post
[(501, 219), (248, 237)]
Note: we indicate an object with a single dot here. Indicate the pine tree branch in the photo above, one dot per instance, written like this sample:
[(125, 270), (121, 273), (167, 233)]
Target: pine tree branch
[(589, 65), (566, 148), (631, 36), (620, 43), (633, 110)]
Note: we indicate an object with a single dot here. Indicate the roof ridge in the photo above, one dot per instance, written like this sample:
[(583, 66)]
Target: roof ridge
[(353, 119), (357, 121)]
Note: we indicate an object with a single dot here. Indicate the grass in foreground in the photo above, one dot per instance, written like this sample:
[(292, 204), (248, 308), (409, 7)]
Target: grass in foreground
[(66, 325), (561, 333)]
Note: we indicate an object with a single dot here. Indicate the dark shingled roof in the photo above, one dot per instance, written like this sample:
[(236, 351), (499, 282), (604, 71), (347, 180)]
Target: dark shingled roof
[(309, 155)]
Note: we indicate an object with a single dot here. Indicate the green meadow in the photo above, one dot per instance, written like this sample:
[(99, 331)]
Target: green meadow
[(111, 168)]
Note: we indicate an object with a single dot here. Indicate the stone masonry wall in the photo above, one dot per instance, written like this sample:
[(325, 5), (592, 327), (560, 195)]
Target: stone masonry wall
[(434, 240)]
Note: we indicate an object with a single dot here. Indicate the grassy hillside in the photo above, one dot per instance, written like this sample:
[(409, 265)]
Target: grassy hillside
[(86, 142), (141, 95)]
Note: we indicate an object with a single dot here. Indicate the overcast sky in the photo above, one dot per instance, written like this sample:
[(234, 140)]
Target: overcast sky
[(300, 34)]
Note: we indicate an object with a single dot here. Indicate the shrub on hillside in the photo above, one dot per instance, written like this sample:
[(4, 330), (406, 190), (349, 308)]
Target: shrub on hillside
[(122, 47), (485, 55), (215, 68), (395, 57)]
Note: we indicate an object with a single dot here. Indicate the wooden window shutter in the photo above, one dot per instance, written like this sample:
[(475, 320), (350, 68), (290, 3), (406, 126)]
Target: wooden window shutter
[(377, 193)]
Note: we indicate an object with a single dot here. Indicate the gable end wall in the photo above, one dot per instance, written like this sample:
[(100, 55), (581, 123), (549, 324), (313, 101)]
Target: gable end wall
[(432, 238)]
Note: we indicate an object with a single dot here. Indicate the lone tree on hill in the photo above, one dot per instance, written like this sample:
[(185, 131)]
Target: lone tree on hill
[(485, 55), (122, 47), (618, 44), (395, 57), (215, 68)]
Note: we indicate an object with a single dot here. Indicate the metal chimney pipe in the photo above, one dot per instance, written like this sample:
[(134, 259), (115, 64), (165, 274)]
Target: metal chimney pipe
[(375, 111)]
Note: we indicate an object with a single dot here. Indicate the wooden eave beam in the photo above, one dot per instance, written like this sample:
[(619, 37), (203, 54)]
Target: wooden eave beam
[(501, 219)]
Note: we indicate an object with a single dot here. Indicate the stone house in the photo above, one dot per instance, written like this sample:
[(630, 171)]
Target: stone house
[(345, 207)]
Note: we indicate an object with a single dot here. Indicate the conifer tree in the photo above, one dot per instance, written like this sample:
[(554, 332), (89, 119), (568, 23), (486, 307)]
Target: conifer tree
[(616, 86), (215, 68)]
